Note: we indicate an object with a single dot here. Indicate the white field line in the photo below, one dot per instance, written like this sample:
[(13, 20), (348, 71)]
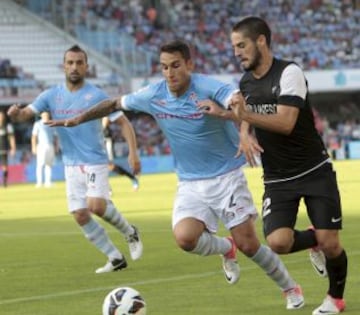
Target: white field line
[(136, 283)]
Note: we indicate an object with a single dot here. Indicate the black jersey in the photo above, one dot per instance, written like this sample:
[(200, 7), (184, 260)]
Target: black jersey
[(285, 156)]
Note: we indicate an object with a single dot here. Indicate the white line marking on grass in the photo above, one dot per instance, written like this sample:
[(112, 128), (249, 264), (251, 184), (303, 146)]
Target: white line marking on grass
[(145, 282), (78, 292)]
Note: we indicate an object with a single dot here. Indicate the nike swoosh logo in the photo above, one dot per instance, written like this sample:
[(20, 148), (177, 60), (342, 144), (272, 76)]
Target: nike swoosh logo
[(335, 220), (228, 278), (320, 271)]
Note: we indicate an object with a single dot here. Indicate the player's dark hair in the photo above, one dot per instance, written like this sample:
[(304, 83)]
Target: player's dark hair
[(253, 27), (76, 49), (177, 46)]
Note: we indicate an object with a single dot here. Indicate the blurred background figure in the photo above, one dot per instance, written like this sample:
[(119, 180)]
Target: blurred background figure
[(128, 133), (7, 145), (44, 145)]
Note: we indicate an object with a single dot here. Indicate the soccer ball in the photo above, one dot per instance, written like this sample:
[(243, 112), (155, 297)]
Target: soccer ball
[(124, 301)]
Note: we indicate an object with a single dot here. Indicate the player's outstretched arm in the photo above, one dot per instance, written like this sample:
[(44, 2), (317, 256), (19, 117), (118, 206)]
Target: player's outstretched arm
[(19, 114), (101, 109)]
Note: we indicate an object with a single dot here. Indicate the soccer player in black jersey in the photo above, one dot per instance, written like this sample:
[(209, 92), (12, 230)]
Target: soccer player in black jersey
[(274, 102), (7, 145)]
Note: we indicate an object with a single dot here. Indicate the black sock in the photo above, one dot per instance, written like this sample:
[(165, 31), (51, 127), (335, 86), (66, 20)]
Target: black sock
[(5, 178), (303, 240), (337, 272), (121, 171)]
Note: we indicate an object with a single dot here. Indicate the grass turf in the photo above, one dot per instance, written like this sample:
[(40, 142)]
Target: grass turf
[(47, 266)]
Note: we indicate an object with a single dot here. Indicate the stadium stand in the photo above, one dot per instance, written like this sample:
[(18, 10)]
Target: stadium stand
[(36, 46), (324, 34)]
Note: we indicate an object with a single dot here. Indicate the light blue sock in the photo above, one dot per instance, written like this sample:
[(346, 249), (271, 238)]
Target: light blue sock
[(96, 234), (270, 262), (210, 244), (115, 218)]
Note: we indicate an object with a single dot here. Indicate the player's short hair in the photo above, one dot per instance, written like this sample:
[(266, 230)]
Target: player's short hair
[(177, 46), (76, 49), (253, 27)]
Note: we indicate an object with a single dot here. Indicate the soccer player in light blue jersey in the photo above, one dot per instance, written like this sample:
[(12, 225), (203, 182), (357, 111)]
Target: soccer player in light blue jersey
[(211, 184), (85, 159), (44, 145)]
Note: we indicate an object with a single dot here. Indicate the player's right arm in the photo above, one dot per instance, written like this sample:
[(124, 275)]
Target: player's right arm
[(20, 114), (248, 144), (99, 110)]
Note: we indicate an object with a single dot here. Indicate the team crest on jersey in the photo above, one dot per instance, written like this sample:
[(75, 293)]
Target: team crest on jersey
[(193, 97), (275, 90)]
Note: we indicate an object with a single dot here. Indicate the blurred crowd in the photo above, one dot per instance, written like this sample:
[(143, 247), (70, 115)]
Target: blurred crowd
[(318, 34)]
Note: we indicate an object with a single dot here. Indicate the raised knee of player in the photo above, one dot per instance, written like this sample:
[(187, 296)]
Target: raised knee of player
[(187, 233), (280, 240)]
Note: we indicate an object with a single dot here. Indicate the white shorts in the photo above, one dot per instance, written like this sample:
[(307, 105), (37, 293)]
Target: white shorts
[(45, 155), (84, 181), (226, 198)]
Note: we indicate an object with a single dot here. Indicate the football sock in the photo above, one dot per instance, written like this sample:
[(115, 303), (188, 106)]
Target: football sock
[(115, 218), (47, 173), (96, 234), (303, 240), (274, 267), (38, 174), (122, 171), (337, 271), (209, 244)]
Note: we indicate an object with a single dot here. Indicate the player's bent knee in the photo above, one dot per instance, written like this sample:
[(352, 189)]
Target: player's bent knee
[(279, 247), (186, 244)]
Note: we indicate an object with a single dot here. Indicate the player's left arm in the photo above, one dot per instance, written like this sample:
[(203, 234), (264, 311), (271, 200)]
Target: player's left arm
[(128, 133)]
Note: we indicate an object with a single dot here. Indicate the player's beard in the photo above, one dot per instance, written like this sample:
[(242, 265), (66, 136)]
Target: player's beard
[(75, 80), (255, 61)]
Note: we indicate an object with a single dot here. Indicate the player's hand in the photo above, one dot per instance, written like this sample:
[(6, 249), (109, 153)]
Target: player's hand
[(250, 148), (209, 107), (13, 111), (238, 105), (134, 163), (62, 123)]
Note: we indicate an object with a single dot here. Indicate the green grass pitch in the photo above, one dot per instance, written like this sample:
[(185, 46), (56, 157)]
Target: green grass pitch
[(47, 267)]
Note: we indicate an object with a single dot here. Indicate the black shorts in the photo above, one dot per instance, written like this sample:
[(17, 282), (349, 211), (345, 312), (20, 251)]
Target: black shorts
[(320, 193)]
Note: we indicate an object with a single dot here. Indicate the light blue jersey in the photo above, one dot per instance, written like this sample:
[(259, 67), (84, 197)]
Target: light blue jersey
[(45, 134), (83, 144), (203, 146)]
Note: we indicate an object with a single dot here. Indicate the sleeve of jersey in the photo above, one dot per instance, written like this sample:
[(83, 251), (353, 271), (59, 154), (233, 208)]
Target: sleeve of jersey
[(139, 100), (40, 104), (293, 87)]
